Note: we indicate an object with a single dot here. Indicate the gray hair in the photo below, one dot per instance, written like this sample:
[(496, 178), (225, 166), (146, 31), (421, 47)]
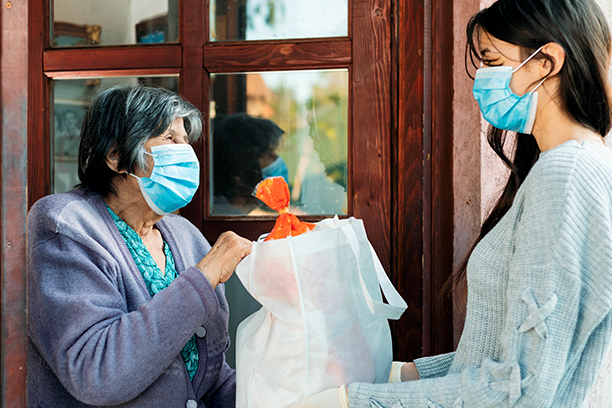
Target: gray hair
[(120, 120)]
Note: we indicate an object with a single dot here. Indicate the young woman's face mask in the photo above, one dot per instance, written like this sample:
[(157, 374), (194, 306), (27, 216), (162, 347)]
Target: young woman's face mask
[(277, 168), (174, 179), (500, 106)]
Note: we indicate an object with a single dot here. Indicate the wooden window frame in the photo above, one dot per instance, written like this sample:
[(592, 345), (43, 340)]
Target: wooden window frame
[(365, 53)]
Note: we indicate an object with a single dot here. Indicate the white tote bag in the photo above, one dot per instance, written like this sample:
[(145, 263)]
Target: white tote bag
[(322, 322)]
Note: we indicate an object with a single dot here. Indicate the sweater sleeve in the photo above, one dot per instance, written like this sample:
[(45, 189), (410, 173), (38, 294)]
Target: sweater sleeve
[(559, 296), (434, 366), (102, 353)]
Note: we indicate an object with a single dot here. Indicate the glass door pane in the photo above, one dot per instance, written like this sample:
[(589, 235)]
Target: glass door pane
[(70, 98), (78, 23), (291, 124), (277, 19)]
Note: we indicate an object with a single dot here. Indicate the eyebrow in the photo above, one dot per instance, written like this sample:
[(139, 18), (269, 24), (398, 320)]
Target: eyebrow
[(173, 133)]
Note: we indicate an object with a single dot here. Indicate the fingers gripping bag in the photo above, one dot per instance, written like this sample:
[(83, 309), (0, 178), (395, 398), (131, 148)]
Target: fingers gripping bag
[(323, 322)]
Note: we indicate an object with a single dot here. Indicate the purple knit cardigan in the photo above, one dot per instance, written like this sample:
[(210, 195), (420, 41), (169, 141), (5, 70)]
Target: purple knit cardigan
[(96, 338)]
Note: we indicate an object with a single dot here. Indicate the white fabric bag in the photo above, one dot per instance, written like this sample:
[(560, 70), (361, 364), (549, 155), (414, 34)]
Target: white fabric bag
[(323, 322)]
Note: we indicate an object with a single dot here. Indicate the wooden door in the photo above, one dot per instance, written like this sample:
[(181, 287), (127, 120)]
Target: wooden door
[(398, 55)]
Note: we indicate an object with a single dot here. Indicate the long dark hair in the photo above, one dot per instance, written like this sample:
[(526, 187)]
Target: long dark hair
[(580, 27), (239, 141)]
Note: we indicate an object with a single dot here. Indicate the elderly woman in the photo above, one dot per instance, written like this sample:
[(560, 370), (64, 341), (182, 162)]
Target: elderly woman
[(126, 303)]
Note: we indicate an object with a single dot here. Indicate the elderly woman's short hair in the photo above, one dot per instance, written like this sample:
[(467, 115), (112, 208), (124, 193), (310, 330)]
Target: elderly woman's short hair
[(121, 119)]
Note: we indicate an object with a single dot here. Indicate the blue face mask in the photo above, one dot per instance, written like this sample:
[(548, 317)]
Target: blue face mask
[(174, 179), (276, 168), (499, 105)]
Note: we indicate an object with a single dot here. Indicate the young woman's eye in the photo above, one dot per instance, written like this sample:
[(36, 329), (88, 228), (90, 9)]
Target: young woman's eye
[(490, 63)]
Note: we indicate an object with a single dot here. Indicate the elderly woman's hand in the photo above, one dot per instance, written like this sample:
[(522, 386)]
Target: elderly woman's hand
[(219, 264)]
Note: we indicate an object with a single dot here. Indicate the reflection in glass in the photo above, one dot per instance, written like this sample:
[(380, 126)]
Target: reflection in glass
[(277, 19), (289, 124), (78, 23), (69, 102)]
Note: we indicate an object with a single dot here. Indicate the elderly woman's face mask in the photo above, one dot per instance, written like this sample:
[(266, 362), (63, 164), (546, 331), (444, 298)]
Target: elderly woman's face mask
[(174, 180)]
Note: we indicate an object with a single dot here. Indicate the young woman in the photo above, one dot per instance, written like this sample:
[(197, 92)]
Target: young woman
[(539, 300)]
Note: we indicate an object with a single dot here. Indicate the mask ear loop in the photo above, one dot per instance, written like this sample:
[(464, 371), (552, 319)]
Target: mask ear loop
[(538, 85), (525, 62), (528, 59), (135, 176)]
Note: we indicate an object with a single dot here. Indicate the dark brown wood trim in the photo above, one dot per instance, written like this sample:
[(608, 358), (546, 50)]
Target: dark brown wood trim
[(428, 303), (408, 198), (192, 88), (277, 55), (251, 227), (441, 172), (39, 175), (350, 142), (112, 73), (248, 229), (105, 58), (370, 155), (205, 185), (13, 196)]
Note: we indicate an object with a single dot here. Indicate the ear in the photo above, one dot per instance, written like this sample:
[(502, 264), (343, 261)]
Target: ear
[(112, 161), (557, 54)]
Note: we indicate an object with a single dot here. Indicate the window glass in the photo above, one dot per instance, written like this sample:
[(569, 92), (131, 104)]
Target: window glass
[(69, 102), (290, 124), (277, 19), (78, 23)]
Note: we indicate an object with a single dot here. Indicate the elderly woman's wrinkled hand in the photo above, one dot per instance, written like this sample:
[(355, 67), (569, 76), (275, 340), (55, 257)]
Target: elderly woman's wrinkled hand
[(219, 264)]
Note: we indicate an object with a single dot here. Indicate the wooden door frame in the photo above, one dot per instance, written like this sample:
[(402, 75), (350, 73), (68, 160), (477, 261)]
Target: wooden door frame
[(438, 151), (423, 199)]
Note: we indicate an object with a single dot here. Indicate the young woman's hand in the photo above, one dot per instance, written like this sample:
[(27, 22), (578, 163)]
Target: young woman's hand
[(401, 372), (409, 372)]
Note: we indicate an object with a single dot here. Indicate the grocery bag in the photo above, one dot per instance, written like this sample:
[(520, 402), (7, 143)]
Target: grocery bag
[(322, 323)]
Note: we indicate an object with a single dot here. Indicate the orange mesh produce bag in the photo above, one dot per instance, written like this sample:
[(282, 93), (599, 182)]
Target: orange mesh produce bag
[(274, 192)]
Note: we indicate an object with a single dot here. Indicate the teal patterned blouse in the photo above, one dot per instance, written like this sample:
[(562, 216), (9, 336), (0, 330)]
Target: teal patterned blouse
[(155, 279)]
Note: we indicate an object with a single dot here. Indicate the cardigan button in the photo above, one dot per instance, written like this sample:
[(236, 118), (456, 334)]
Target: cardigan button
[(201, 332), (191, 404)]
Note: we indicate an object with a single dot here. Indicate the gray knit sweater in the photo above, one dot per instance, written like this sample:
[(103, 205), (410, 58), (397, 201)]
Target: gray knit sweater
[(96, 338), (539, 300)]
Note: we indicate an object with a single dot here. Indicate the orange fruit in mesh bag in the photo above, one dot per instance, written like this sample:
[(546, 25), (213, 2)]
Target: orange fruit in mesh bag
[(274, 192)]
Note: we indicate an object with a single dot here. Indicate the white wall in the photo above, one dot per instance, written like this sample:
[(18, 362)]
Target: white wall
[(117, 18), (111, 15)]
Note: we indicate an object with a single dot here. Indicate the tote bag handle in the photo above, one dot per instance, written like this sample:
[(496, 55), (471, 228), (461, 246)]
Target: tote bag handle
[(396, 306)]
